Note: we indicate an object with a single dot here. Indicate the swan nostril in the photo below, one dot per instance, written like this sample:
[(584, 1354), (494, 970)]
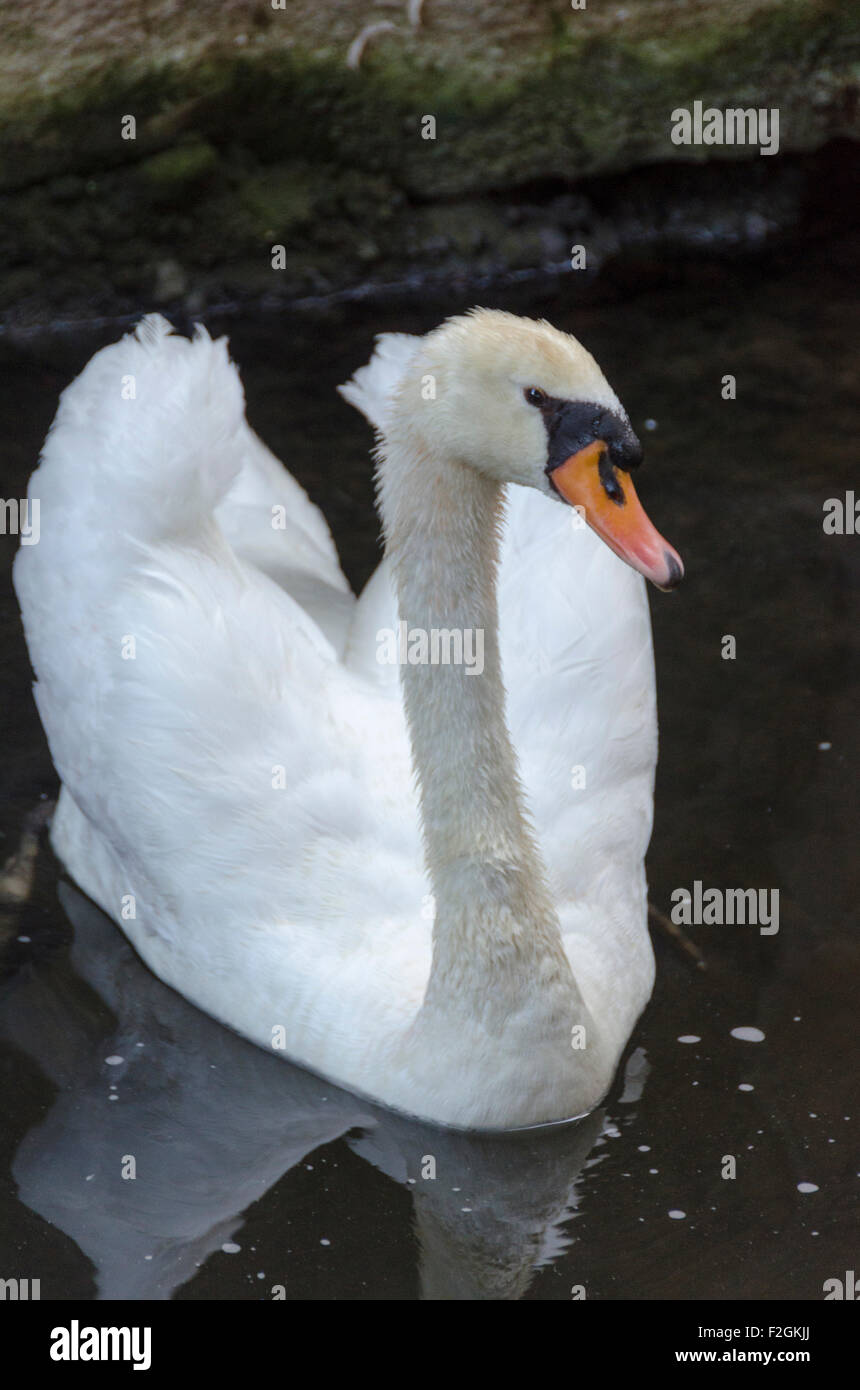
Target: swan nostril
[(609, 480)]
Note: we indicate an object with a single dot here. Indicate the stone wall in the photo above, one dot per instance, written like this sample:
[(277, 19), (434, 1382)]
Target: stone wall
[(304, 126)]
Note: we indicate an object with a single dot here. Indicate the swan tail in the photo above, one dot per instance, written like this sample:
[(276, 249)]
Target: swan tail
[(140, 451), (372, 387), (143, 442)]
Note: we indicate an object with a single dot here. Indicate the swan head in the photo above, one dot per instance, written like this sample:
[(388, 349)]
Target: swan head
[(521, 402)]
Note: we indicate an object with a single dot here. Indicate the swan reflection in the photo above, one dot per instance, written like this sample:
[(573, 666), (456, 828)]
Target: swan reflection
[(208, 1124)]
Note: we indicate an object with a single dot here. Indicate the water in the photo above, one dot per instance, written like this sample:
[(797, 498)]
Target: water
[(326, 1197)]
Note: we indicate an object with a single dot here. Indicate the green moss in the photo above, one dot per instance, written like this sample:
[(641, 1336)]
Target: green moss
[(578, 104), (240, 149), (279, 201), (179, 169)]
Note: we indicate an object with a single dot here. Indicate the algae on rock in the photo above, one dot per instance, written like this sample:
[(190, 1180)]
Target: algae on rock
[(250, 127)]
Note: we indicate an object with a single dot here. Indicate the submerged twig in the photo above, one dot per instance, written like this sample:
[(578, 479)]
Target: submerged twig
[(675, 933)]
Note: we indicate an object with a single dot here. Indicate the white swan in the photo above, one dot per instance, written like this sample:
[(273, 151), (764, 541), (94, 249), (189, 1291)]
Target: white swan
[(237, 767)]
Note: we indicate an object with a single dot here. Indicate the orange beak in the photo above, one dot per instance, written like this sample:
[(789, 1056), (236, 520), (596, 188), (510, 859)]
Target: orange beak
[(612, 509)]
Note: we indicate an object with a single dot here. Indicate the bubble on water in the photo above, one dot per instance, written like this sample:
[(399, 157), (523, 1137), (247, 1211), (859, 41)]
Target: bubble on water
[(689, 1038), (325, 1242), (745, 1086), (114, 1060), (748, 1034), (825, 747), (23, 938), (650, 424), (677, 1215), (807, 1187), (644, 1148), (230, 1247)]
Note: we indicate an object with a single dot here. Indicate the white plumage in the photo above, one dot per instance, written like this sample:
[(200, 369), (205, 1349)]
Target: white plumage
[(238, 790)]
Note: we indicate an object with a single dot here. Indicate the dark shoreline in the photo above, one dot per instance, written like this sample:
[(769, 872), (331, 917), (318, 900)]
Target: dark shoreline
[(650, 227)]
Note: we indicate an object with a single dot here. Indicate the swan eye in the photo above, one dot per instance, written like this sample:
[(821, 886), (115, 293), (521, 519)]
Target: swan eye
[(535, 396)]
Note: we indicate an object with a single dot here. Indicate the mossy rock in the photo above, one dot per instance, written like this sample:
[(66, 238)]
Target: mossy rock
[(252, 130), (177, 171)]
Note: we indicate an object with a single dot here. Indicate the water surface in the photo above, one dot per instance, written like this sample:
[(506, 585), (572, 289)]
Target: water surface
[(318, 1192)]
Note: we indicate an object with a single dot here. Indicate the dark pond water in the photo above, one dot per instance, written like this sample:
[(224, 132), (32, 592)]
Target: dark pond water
[(251, 1173)]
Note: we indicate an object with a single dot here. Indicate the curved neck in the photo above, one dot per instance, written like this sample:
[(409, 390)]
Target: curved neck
[(494, 913)]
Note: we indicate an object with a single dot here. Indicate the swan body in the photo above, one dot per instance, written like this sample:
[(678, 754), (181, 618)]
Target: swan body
[(420, 882)]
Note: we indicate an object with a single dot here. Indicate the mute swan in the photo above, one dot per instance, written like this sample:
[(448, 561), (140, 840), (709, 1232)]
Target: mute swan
[(237, 767)]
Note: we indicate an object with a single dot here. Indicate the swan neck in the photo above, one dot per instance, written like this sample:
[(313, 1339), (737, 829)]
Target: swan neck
[(442, 520)]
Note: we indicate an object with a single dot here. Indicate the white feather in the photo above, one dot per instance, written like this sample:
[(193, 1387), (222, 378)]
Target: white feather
[(239, 793)]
